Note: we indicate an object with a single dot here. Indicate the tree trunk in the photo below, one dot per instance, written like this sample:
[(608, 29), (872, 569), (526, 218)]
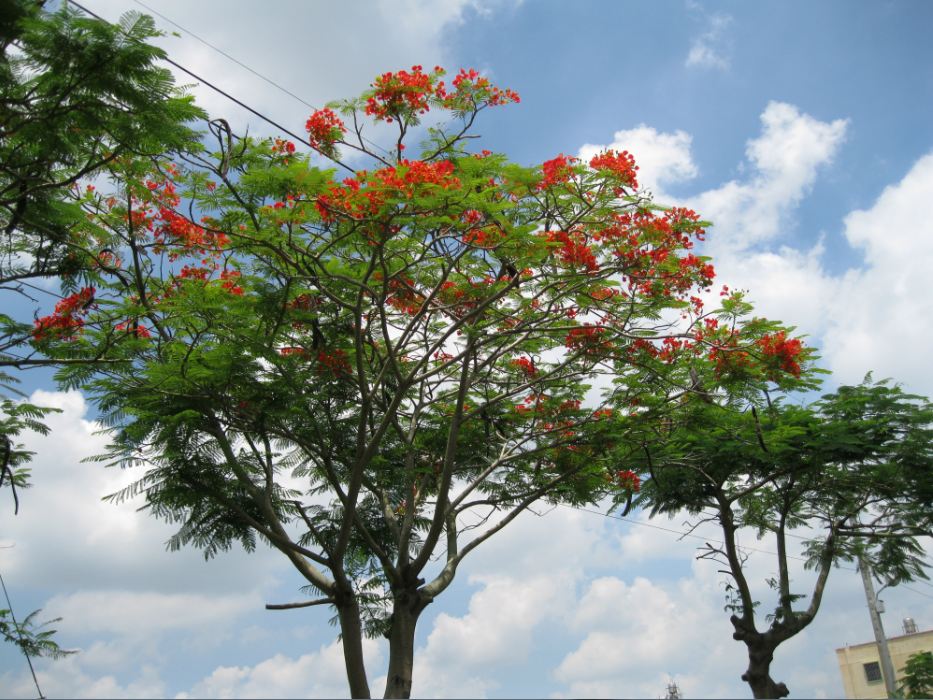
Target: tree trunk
[(758, 675), (406, 610), (351, 632)]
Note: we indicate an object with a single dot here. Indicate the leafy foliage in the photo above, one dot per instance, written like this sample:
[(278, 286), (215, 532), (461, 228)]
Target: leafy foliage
[(917, 676), (34, 639)]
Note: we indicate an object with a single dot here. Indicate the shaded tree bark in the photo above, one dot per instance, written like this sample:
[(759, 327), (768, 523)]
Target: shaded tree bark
[(408, 606), (348, 613)]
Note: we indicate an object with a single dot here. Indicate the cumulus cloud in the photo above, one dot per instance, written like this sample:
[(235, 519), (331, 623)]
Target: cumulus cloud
[(319, 674), (710, 49), (882, 318), (784, 161), (464, 655)]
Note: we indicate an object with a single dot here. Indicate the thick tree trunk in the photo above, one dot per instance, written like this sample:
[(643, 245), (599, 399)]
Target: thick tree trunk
[(406, 610), (758, 675), (351, 631)]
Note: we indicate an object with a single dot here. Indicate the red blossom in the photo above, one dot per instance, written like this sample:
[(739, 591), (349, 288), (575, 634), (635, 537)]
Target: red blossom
[(556, 170), (228, 282), (588, 338), (335, 362), (325, 129), (133, 329), (621, 165), (780, 351), (525, 365), (66, 321), (628, 480), (573, 250), (404, 91)]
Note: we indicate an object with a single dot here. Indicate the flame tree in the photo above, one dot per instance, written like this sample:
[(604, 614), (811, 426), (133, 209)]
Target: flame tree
[(372, 371)]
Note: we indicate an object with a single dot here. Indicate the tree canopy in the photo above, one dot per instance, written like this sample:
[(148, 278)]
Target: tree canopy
[(372, 372)]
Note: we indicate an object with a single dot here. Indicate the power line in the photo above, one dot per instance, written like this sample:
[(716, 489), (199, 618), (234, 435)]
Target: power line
[(240, 63), (300, 139), (225, 54)]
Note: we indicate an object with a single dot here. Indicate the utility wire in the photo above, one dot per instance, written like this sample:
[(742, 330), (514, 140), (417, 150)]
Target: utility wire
[(225, 54), (240, 63), (22, 642), (300, 139)]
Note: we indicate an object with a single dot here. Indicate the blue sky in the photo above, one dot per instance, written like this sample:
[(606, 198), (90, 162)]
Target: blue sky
[(802, 130)]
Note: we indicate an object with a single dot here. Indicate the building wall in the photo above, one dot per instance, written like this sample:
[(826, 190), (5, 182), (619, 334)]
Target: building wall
[(852, 660)]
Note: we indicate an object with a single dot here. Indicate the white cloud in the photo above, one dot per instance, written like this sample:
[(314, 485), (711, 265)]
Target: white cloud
[(882, 319), (784, 160), (319, 674), (710, 49), (134, 613), (639, 633)]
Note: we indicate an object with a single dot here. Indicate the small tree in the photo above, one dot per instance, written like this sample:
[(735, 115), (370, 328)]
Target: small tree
[(843, 471), (917, 676), (375, 372)]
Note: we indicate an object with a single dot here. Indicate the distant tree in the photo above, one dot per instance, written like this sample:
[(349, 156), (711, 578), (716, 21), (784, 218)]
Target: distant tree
[(917, 676), (377, 373), (851, 473)]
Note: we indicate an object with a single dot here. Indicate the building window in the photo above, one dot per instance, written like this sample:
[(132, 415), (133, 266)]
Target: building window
[(872, 672)]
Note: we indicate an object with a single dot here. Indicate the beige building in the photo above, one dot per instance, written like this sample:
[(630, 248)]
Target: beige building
[(860, 664)]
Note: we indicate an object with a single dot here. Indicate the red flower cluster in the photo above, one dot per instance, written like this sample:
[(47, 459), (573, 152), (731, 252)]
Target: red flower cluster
[(335, 362), (325, 129), (364, 194), (66, 321), (403, 296), (778, 349), (137, 330), (192, 272), (628, 480), (304, 302), (470, 87), (228, 282), (471, 216), (395, 93), (488, 237), (573, 251), (190, 239), (282, 146), (556, 170), (525, 365), (590, 339), (621, 165), (727, 357)]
